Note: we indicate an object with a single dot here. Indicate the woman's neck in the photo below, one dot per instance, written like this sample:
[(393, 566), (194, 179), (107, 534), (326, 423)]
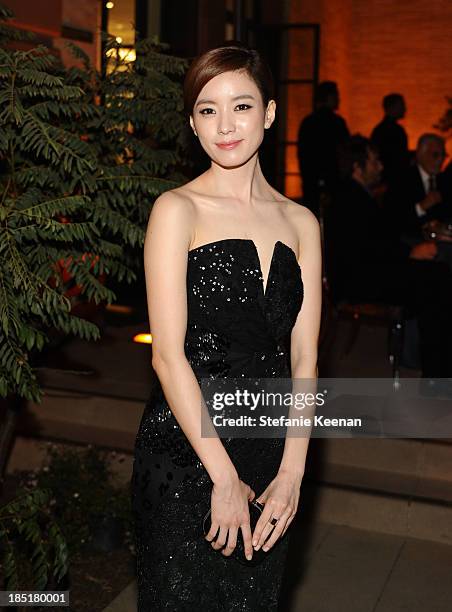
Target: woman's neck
[(243, 183)]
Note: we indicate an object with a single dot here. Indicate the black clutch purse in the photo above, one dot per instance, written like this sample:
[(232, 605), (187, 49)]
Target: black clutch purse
[(255, 509)]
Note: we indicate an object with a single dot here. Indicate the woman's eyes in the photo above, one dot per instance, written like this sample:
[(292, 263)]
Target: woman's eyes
[(202, 112)]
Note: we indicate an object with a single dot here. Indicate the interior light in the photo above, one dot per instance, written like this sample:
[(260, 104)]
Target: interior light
[(124, 54), (119, 39), (110, 5), (128, 55), (143, 338)]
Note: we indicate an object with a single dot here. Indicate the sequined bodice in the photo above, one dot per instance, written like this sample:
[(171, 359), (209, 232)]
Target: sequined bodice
[(235, 327)]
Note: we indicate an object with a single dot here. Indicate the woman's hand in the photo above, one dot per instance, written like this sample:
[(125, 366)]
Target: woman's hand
[(229, 503), (281, 502)]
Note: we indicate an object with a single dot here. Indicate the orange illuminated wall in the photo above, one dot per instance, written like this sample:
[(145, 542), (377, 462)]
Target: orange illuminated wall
[(403, 46), (61, 21), (375, 47), (41, 17)]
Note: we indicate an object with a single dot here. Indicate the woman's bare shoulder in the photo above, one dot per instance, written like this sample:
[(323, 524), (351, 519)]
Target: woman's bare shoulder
[(178, 195), (303, 218), (173, 204), (172, 215)]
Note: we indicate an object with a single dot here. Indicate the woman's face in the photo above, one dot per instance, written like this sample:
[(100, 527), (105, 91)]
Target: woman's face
[(229, 109)]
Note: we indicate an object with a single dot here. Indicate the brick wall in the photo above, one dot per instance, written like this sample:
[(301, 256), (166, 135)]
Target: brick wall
[(404, 46), (86, 15), (43, 18), (47, 19), (373, 47)]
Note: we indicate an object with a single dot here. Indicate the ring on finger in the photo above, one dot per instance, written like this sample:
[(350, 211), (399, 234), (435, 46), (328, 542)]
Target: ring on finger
[(274, 521), (267, 530)]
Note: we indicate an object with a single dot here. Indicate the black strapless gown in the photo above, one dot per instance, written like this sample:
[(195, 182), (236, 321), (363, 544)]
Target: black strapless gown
[(234, 329)]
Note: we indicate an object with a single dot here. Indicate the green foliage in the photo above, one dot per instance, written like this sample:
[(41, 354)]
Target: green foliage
[(83, 489), (82, 158), (26, 520), (139, 135), (55, 514), (35, 231)]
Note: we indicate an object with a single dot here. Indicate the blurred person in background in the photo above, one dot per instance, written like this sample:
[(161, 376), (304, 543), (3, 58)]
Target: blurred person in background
[(320, 135), (421, 193), (367, 262), (391, 138), (446, 183)]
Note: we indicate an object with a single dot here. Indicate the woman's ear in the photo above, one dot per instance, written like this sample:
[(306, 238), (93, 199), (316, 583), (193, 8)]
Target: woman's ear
[(192, 123), (270, 113)]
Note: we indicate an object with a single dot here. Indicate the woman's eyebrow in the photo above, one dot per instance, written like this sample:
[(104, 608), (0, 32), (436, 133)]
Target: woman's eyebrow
[(248, 96)]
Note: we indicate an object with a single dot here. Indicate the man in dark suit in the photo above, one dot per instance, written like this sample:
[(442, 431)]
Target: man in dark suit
[(446, 182), (391, 139), (367, 261), (420, 195), (319, 136)]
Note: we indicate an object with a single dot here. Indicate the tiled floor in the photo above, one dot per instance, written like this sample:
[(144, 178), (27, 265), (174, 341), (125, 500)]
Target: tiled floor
[(333, 568), (351, 570)]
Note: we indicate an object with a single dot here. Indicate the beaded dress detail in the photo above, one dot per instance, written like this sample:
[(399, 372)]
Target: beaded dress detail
[(235, 328)]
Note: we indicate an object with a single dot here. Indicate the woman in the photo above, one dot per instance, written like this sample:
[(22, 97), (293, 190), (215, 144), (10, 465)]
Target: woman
[(226, 298)]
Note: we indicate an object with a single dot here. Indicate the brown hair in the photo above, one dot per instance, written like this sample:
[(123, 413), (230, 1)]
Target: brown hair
[(229, 56), (354, 151)]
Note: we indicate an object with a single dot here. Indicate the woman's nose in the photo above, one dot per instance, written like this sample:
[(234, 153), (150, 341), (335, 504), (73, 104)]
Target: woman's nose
[(226, 124)]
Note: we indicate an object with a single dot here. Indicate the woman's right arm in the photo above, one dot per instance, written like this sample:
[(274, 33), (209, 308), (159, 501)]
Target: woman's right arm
[(165, 261)]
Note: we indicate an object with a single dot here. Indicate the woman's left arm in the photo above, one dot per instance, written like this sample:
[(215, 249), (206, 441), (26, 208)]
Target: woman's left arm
[(282, 495), (305, 334)]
